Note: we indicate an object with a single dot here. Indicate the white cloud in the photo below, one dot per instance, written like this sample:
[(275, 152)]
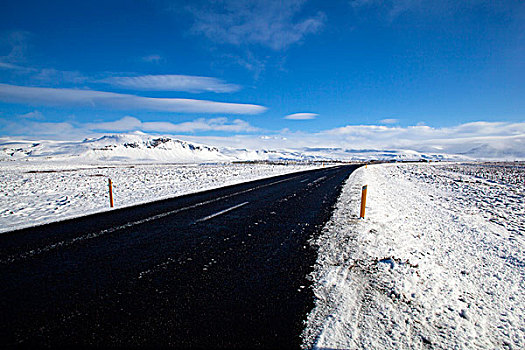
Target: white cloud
[(101, 99), (29, 128), (172, 83), (301, 116), (463, 138), (125, 124), (454, 139), (26, 127), (478, 138), (271, 23), (506, 137), (199, 125)]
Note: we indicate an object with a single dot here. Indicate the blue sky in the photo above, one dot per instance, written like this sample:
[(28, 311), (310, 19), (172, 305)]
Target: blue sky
[(283, 70)]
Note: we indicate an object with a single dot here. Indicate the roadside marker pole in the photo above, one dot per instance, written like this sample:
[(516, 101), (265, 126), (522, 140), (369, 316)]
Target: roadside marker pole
[(363, 202), (110, 193)]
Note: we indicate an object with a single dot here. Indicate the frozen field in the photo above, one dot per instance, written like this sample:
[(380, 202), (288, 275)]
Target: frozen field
[(437, 263), (33, 193)]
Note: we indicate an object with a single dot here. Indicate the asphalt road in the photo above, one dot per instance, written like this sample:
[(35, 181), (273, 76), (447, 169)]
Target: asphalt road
[(222, 268)]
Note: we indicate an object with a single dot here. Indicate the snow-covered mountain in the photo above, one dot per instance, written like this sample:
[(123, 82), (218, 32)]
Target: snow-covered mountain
[(119, 147), (141, 147)]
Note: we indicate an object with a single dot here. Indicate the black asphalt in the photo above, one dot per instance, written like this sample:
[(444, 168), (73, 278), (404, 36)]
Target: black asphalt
[(224, 268)]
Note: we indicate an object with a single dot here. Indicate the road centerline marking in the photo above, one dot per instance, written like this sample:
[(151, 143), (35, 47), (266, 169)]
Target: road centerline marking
[(319, 179), (221, 212)]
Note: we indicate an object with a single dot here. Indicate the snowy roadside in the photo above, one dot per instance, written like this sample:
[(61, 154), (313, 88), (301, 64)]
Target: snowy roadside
[(437, 263), (33, 193)]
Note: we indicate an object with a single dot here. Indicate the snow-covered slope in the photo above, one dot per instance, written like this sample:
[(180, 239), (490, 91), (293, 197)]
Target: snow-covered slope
[(139, 147)]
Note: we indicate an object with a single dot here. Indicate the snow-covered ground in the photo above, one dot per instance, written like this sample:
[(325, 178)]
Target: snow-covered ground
[(438, 262), (33, 193)]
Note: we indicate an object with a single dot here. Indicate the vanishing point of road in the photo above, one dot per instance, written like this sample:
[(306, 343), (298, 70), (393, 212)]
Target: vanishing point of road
[(225, 268)]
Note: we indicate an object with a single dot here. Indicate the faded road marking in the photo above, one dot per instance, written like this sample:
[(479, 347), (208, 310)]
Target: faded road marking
[(221, 212)]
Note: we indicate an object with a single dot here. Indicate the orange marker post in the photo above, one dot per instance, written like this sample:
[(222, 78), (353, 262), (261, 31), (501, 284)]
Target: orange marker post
[(363, 202), (110, 193)]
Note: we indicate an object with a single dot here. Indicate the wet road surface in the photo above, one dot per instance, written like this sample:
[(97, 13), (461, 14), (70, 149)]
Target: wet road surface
[(221, 268)]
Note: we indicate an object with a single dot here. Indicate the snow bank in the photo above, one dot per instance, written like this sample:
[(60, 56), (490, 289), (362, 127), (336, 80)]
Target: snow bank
[(437, 263), (33, 193)]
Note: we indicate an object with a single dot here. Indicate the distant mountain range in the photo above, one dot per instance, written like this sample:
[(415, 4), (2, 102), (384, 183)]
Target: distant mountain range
[(138, 147)]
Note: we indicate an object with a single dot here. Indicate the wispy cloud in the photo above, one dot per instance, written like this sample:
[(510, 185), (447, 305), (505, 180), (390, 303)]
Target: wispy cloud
[(389, 121), (13, 50), (172, 82), (36, 115), (163, 82), (443, 9), (301, 116), (5, 65), (100, 99), (152, 58), (54, 76), (36, 129), (271, 23), (49, 76), (393, 7), (17, 43), (248, 60), (199, 125)]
